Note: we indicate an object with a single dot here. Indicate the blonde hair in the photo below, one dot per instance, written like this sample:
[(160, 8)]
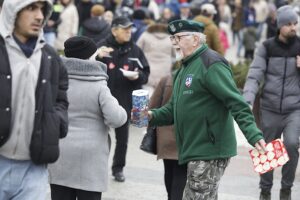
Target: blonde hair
[(97, 10)]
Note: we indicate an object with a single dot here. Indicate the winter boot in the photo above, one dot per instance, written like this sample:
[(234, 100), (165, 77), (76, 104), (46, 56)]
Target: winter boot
[(265, 195), (285, 194)]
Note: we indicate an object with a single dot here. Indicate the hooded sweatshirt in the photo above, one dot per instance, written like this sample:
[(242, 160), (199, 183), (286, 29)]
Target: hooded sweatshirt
[(24, 75), (96, 28)]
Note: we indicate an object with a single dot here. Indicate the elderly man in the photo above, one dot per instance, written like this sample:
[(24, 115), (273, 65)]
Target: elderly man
[(33, 101), (121, 54), (276, 65), (204, 103)]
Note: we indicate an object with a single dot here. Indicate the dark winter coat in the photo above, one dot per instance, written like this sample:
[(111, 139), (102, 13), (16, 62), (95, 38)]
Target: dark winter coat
[(274, 65), (95, 28), (51, 120), (127, 56)]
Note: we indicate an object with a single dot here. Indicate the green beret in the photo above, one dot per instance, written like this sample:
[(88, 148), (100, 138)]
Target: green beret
[(178, 26)]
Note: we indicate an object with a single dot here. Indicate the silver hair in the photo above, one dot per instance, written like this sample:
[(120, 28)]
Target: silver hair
[(201, 36)]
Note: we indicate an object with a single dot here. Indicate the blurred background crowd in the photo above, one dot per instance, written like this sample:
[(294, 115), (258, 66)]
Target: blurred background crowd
[(229, 23)]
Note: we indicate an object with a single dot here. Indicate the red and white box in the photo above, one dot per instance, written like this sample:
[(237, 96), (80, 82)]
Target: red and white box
[(275, 156)]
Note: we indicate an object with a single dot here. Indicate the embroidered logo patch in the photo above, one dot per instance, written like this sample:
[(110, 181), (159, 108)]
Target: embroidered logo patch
[(188, 80), (172, 27)]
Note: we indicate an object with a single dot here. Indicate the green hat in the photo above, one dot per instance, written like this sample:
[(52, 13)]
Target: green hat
[(178, 26)]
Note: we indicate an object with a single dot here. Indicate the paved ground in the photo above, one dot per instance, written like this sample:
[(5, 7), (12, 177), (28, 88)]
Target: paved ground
[(144, 176)]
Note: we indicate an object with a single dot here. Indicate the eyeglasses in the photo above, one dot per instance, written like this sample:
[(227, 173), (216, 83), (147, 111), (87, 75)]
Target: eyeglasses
[(177, 38)]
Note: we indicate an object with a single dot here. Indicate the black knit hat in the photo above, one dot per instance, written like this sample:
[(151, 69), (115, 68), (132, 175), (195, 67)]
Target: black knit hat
[(79, 47)]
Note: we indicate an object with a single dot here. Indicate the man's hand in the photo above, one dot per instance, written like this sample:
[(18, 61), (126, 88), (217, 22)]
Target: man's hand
[(104, 51), (261, 146)]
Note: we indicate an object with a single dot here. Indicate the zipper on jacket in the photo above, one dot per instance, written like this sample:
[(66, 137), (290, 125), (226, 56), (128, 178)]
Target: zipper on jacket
[(283, 82), (178, 89), (177, 92)]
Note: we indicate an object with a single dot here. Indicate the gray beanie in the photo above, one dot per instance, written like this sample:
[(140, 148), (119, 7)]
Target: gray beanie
[(286, 14)]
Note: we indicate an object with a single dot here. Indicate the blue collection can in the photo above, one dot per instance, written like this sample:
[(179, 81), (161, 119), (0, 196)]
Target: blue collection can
[(140, 101)]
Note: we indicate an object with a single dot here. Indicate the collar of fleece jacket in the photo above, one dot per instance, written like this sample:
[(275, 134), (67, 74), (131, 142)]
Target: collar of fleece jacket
[(10, 9)]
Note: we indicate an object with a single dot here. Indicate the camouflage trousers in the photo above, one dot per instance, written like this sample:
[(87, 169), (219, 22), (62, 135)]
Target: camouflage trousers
[(203, 178)]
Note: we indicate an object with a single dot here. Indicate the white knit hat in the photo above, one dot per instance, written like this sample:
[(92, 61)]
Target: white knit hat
[(209, 8)]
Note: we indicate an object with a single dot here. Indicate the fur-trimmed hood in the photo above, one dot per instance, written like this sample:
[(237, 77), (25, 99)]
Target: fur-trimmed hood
[(157, 28), (85, 69)]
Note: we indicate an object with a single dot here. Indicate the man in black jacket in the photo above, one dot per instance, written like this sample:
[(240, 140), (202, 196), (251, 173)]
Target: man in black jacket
[(121, 54), (33, 103)]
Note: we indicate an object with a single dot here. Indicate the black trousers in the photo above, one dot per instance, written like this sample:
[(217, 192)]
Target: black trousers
[(119, 159), (273, 126), (59, 192), (175, 179), (249, 54)]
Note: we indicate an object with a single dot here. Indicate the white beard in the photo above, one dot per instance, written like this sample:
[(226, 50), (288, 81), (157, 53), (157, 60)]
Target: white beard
[(178, 55)]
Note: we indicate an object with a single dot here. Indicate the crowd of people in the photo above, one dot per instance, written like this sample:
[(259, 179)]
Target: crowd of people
[(65, 83)]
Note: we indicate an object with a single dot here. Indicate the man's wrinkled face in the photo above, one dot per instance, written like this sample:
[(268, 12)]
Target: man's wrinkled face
[(289, 31), (183, 44), (29, 21), (122, 35)]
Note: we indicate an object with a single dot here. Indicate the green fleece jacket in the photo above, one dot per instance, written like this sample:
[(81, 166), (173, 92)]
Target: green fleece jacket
[(204, 103)]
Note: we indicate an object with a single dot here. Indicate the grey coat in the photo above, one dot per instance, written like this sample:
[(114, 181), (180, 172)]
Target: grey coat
[(274, 66), (83, 163)]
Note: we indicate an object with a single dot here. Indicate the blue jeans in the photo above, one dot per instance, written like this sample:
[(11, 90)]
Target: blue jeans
[(22, 180), (238, 35), (50, 38)]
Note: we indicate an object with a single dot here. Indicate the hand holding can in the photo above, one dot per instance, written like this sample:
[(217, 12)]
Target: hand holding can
[(139, 112)]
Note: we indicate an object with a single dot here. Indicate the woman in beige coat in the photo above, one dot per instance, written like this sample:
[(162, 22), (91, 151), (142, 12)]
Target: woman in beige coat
[(69, 24), (175, 174), (157, 47)]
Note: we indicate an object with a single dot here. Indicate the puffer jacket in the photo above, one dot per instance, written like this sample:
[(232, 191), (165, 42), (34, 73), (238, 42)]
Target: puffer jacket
[(274, 67), (51, 118)]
